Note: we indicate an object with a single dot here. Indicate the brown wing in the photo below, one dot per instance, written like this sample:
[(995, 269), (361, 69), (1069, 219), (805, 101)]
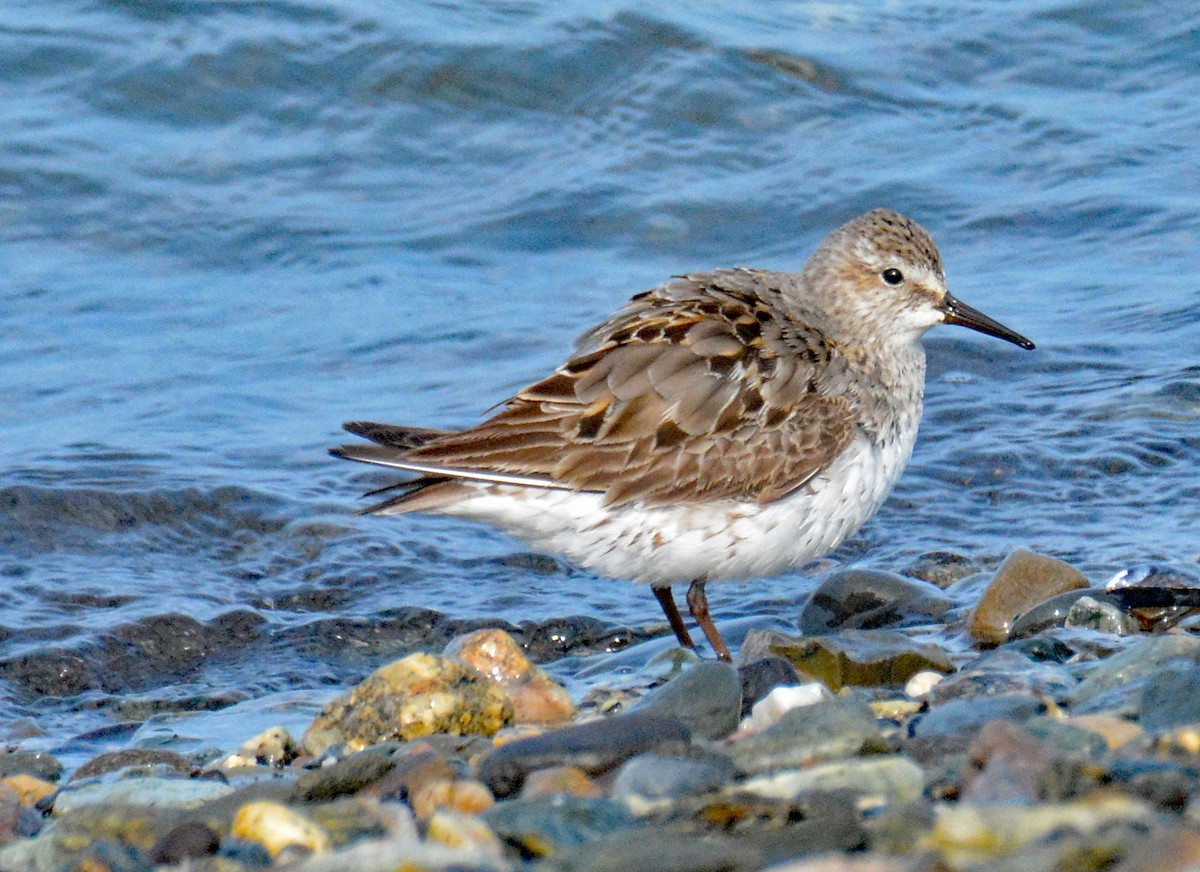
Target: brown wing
[(696, 390)]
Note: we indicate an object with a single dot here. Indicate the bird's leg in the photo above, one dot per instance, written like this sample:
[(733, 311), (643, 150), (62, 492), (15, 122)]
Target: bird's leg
[(667, 600), (697, 601)]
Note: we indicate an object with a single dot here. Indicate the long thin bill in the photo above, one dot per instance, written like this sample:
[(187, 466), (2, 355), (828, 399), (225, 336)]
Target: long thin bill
[(958, 312)]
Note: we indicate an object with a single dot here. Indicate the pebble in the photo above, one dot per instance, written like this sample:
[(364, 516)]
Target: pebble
[(865, 658), (824, 731), (773, 706), (277, 827), (535, 697), (1144, 656), (648, 781), (1023, 580), (408, 699), (570, 780), (762, 675), (707, 699), (870, 599), (876, 781), (1099, 613), (595, 747)]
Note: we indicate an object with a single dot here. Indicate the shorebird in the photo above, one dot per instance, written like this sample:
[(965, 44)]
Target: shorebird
[(723, 425)]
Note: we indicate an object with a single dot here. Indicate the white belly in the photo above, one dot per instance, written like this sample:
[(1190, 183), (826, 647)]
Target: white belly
[(715, 541)]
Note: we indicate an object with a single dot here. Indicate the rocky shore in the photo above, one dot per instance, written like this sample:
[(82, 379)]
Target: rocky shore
[(1025, 719)]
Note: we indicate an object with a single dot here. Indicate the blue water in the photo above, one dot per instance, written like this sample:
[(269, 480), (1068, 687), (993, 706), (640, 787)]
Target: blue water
[(226, 227)]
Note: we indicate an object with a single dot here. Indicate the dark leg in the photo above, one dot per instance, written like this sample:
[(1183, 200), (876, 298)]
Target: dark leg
[(667, 601), (697, 601)]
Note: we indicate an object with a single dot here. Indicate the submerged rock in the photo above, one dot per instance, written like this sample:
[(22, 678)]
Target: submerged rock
[(410, 698), (869, 599), (1023, 580), (868, 658)]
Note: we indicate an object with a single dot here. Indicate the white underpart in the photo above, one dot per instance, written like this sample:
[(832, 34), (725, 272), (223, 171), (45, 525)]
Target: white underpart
[(713, 541)]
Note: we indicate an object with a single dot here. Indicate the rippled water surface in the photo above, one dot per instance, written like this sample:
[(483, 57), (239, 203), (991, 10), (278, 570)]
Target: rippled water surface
[(226, 227)]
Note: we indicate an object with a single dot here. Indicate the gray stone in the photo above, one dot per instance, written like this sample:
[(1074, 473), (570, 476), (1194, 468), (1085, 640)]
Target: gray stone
[(1170, 698), (869, 599), (548, 825), (1138, 660), (655, 777), (1048, 613), (595, 747), (707, 698), (824, 731), (661, 851), (964, 717), (1099, 613)]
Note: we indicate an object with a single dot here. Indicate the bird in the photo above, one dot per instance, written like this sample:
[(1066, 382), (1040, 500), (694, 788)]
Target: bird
[(724, 425)]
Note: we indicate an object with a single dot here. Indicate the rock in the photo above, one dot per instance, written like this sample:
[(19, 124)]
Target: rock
[(28, 789), (868, 658), (659, 851), (868, 599), (769, 710), (1157, 597), (1047, 614), (570, 780), (649, 779), (1023, 580), (151, 791), (941, 568), (549, 826), (188, 840), (825, 731), (966, 834), (17, 820), (408, 771), (1116, 732), (1171, 698), (762, 675), (1163, 850), (595, 747), (1100, 614), (407, 699), (346, 776), (463, 795), (464, 832), (1143, 657), (277, 827), (36, 763), (273, 747), (922, 682), (877, 780), (1004, 671), (707, 698), (536, 698), (1013, 767), (136, 761), (781, 829), (962, 718)]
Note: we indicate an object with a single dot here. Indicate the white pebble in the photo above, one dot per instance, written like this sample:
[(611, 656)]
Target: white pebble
[(923, 682), (771, 707)]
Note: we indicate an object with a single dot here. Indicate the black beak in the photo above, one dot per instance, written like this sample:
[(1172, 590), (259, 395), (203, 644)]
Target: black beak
[(958, 312)]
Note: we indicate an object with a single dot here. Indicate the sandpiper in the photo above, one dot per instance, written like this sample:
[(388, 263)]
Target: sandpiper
[(724, 425)]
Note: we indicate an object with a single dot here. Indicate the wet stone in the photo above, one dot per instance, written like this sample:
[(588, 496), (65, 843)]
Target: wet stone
[(762, 675), (595, 747), (346, 776), (1023, 580), (1140, 659), (1101, 615), (1171, 698), (37, 763), (941, 568), (1011, 766), (876, 780), (707, 698), (547, 826), (769, 710), (1158, 597), (1048, 613), (869, 599), (868, 658), (404, 773), (536, 698), (1004, 671), (188, 840), (579, 634), (647, 778), (963, 718), (825, 731), (407, 699)]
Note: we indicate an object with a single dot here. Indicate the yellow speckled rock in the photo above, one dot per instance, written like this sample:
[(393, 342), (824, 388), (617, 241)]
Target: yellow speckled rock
[(28, 788), (536, 697), (276, 827), (417, 696), (461, 795)]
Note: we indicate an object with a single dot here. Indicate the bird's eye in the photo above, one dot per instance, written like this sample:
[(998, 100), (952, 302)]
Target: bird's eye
[(893, 276)]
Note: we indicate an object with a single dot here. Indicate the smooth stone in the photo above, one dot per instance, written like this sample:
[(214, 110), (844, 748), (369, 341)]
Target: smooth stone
[(407, 699), (463, 795), (772, 707), (922, 683), (1067, 739), (28, 789), (1099, 614), (1163, 850), (189, 840), (762, 675), (1004, 671), (707, 698), (825, 731), (782, 829), (965, 834), (870, 599), (1114, 732), (876, 781), (134, 760), (868, 658), (37, 763), (464, 832), (570, 780), (536, 698), (647, 778), (1139, 659), (941, 568), (1048, 614), (148, 791), (595, 747), (1157, 597), (273, 747), (661, 851), (400, 854), (346, 776), (277, 827), (965, 717), (1166, 784), (1023, 580), (1171, 698), (1011, 766), (547, 826)]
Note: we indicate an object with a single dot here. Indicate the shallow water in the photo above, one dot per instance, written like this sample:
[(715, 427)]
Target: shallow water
[(227, 227)]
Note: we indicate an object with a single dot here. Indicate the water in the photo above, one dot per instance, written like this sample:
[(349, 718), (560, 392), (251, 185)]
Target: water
[(226, 227)]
